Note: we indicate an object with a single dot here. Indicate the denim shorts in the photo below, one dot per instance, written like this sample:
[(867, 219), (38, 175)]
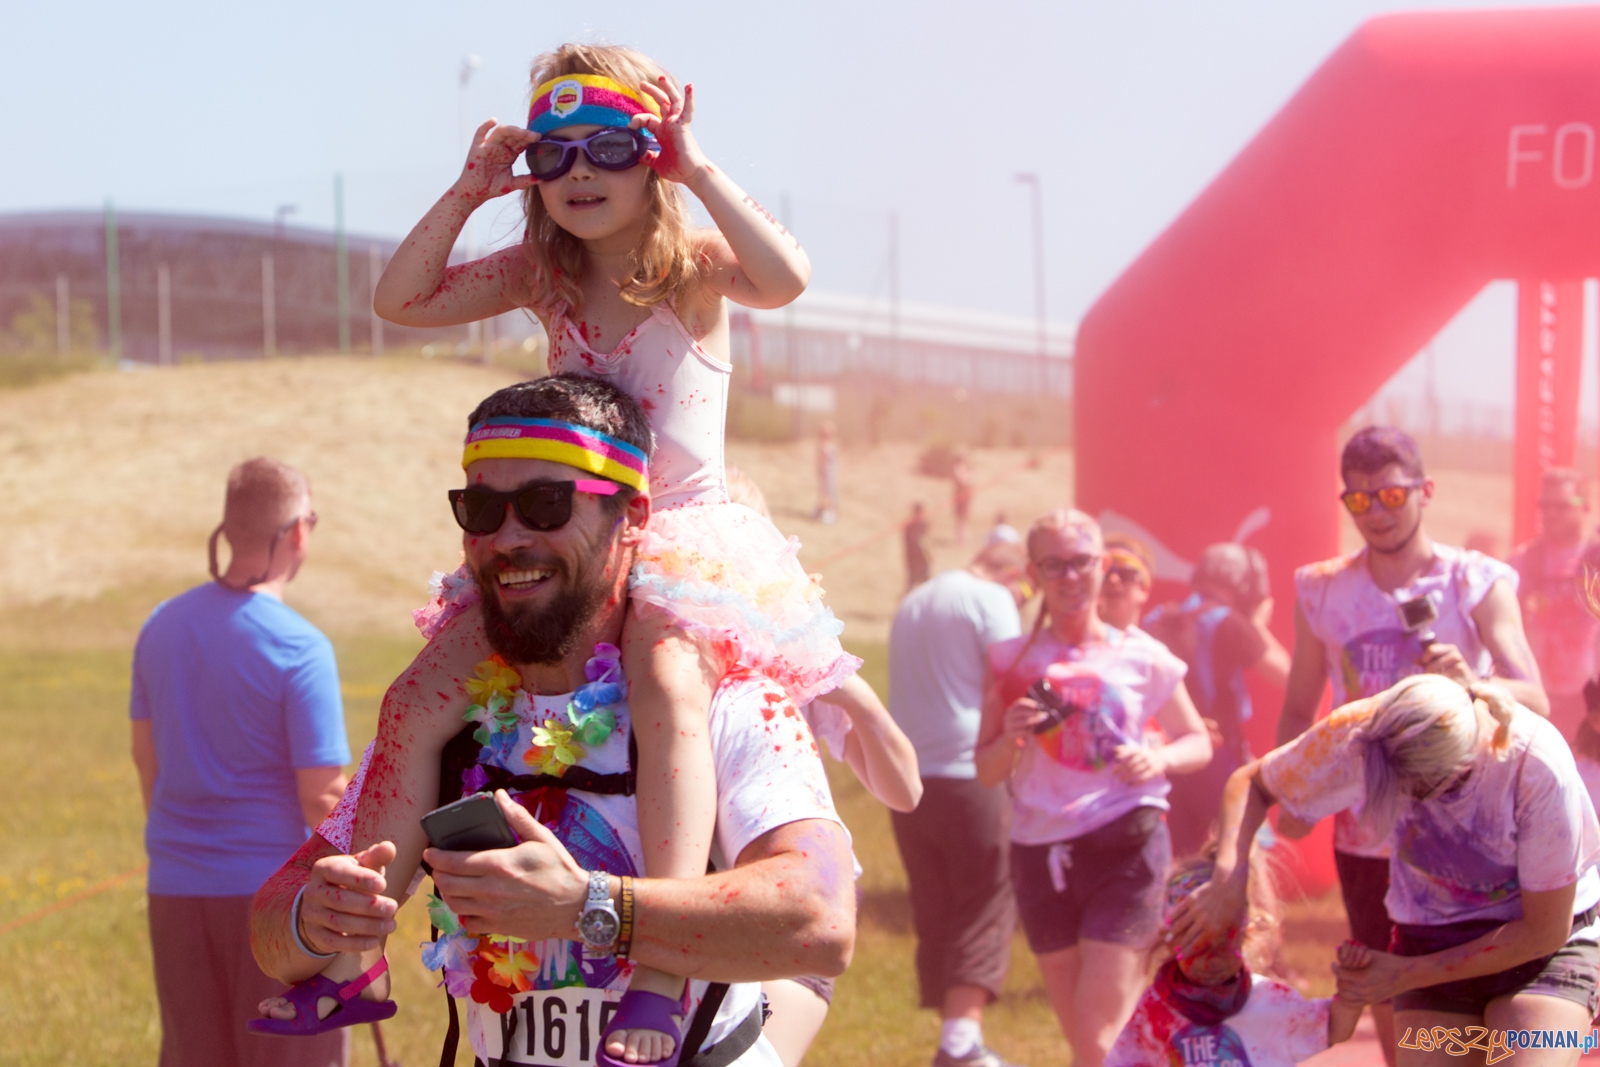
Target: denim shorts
[(1571, 973), (1103, 886)]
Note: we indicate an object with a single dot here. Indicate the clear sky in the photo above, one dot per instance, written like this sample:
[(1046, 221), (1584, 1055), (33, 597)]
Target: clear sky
[(849, 109)]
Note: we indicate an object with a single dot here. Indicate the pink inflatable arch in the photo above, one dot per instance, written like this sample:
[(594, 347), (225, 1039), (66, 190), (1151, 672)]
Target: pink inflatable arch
[(1431, 154)]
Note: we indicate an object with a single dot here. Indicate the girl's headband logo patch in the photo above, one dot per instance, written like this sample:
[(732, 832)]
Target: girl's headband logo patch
[(566, 98)]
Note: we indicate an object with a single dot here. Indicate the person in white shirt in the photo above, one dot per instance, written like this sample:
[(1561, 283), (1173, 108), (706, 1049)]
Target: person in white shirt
[(1492, 879)]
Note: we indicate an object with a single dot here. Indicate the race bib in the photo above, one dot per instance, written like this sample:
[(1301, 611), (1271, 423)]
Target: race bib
[(551, 1027)]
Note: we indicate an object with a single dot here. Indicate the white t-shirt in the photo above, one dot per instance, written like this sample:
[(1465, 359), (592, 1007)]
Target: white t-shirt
[(1063, 787), (1367, 646), (936, 660), (769, 774), (1277, 1027), (1519, 821)]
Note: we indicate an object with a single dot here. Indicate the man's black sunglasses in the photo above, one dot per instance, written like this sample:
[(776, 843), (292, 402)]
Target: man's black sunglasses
[(542, 506)]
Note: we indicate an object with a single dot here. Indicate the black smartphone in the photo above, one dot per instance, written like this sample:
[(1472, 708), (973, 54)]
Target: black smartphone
[(1419, 615), (471, 824), (1056, 709)]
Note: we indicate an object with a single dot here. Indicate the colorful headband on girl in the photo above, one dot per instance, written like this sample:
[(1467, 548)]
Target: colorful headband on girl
[(505, 437), (587, 100)]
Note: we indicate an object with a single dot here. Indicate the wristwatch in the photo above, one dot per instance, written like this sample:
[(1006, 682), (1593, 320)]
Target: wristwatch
[(598, 924)]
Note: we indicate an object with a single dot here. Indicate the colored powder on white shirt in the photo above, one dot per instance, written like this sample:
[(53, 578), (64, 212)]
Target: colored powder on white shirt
[(1063, 786), (1519, 821), (1277, 1027), (1367, 646)]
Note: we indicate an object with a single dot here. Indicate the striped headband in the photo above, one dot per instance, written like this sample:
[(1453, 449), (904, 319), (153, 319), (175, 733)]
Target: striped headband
[(506, 437), (587, 100)]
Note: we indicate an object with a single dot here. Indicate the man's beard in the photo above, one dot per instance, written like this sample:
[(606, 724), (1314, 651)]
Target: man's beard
[(526, 633)]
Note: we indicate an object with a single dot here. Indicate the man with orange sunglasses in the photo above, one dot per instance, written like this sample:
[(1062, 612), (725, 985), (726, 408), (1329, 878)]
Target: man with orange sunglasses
[(1401, 605)]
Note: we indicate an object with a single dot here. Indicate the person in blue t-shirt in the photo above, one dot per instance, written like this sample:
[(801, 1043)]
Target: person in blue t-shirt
[(238, 735)]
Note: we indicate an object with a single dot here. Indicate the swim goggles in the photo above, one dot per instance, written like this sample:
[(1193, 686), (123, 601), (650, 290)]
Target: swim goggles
[(609, 149)]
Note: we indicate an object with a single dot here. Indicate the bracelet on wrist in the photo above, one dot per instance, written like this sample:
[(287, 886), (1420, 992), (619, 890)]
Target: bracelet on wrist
[(294, 927), (625, 919)]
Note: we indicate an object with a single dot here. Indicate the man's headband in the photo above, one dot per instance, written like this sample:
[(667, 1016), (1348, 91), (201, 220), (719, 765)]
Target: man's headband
[(587, 100), (505, 437)]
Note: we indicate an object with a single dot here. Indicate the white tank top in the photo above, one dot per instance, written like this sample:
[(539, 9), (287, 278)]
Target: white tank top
[(681, 386), (1369, 649)]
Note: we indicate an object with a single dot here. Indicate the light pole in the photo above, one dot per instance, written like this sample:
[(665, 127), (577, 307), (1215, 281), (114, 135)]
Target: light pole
[(1031, 180), (269, 284), (468, 246)]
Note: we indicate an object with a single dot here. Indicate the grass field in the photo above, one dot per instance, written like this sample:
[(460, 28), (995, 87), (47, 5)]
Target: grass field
[(380, 440)]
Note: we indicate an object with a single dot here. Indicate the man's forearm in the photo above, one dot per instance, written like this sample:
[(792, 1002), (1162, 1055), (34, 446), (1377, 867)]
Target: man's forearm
[(785, 914), (272, 916)]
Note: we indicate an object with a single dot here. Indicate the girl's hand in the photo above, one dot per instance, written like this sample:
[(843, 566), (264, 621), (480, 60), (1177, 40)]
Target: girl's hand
[(680, 157), (487, 172), (1379, 980), (1135, 764), (1210, 918), (1022, 717)]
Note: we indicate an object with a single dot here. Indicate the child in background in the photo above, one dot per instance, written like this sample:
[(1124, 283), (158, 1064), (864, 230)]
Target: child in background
[(1586, 742), (1215, 1007)]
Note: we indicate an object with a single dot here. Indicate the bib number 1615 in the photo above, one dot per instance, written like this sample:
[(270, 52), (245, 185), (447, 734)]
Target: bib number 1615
[(554, 1028)]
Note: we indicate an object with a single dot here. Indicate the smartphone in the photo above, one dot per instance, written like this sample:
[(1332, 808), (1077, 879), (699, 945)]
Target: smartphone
[(471, 824), (1419, 615), (1055, 708)]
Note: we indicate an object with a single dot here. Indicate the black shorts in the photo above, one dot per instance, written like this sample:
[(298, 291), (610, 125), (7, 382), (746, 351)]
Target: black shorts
[(1571, 973), (822, 987), (1113, 881), (1364, 882)]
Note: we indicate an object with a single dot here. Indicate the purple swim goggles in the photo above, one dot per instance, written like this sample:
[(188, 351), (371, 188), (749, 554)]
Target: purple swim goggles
[(608, 149)]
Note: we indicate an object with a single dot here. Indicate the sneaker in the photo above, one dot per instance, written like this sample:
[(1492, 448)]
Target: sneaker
[(981, 1056)]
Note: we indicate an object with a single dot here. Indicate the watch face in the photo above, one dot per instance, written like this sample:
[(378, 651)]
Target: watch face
[(599, 926)]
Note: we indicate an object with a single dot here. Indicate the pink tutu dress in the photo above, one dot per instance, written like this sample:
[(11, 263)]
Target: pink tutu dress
[(721, 570)]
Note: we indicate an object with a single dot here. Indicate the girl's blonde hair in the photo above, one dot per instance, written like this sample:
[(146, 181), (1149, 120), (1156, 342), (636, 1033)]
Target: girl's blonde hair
[(1422, 734), (1264, 922), (664, 263), (1070, 523)]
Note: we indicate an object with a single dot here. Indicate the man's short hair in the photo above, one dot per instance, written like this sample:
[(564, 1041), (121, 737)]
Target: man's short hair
[(264, 494), (590, 402), (1001, 557), (1376, 447), (1562, 485)]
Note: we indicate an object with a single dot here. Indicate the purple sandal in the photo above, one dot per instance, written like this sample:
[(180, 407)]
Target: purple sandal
[(639, 1010), (351, 1009)]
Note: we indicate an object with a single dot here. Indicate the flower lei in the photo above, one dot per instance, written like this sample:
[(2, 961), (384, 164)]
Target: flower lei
[(493, 969)]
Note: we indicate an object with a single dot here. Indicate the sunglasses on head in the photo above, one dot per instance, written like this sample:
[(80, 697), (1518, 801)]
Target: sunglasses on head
[(542, 506), (609, 149), (1392, 497), (1052, 567)]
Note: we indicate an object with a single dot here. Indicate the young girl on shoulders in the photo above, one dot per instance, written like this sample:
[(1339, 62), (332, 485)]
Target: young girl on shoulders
[(629, 291)]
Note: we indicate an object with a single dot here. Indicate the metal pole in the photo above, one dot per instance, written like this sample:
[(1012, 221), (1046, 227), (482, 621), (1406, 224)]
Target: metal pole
[(374, 269), (469, 249), (894, 289), (163, 315), (343, 257), (269, 307), (113, 284), (1036, 194), (63, 316), (788, 311)]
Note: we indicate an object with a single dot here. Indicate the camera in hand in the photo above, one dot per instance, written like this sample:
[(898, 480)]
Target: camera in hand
[(1055, 705)]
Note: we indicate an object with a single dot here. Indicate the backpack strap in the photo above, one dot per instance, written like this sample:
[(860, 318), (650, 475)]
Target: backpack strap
[(736, 1043)]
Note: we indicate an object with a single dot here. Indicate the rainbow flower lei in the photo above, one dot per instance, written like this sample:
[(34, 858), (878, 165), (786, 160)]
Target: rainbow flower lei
[(493, 969)]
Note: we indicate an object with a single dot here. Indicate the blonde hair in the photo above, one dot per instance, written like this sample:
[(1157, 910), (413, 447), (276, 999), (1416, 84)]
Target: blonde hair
[(1067, 522), (1263, 928), (742, 489), (1424, 732), (665, 265)]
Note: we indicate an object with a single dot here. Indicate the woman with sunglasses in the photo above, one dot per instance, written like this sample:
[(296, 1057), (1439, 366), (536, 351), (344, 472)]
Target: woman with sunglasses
[(1064, 717), (628, 291), (1492, 880)]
